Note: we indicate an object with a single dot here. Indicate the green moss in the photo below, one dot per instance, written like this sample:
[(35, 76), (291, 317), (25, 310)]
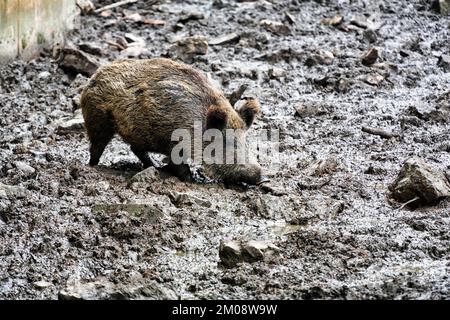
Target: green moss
[(24, 43)]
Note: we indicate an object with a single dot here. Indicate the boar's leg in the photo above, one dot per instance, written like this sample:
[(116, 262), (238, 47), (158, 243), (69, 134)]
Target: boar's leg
[(100, 134), (181, 171), (146, 160)]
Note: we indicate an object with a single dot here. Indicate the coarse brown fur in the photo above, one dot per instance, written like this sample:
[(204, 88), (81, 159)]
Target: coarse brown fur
[(144, 101)]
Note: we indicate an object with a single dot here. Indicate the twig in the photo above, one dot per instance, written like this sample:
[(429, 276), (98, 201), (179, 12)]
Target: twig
[(380, 132), (114, 5), (408, 202)]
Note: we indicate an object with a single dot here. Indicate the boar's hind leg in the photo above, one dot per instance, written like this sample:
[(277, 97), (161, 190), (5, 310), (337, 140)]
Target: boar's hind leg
[(181, 171), (100, 129), (146, 160)]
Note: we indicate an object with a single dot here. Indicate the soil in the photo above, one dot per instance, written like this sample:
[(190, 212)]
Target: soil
[(93, 233)]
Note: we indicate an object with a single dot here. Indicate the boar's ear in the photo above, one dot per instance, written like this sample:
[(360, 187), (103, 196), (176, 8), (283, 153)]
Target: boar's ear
[(249, 111), (216, 117)]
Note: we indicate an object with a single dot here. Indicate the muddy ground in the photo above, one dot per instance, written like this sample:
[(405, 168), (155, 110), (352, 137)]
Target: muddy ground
[(63, 233)]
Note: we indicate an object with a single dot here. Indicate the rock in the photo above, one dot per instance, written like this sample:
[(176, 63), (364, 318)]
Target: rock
[(193, 15), (77, 61), (323, 57), (147, 212), (70, 126), (444, 62), (136, 288), (374, 79), (259, 250), (233, 252), (91, 47), (7, 191), (275, 73), (182, 199), (419, 179), (276, 27), (308, 110), (24, 168), (44, 75), (42, 284), (185, 49), (289, 17), (370, 57), (323, 167), (334, 21), (231, 37), (85, 6), (444, 6), (147, 175), (370, 35)]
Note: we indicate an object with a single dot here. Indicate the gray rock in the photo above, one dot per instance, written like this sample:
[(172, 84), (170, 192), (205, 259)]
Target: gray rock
[(224, 39), (91, 47), (73, 125), (44, 75), (24, 168), (444, 62), (233, 252), (74, 60), (42, 284), (7, 191), (103, 289), (275, 27), (370, 57), (323, 57), (186, 48), (419, 179), (147, 175), (146, 212), (276, 72)]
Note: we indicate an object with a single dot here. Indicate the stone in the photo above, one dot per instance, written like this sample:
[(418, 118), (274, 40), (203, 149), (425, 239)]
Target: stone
[(44, 75), (74, 60), (259, 250), (444, 62), (70, 126), (7, 191), (323, 57), (275, 73), (419, 179), (137, 288), (231, 37), (85, 6), (308, 110), (370, 57), (91, 47), (334, 21), (24, 168), (374, 79), (42, 284), (147, 175), (233, 252), (146, 212), (186, 48), (276, 27), (370, 35)]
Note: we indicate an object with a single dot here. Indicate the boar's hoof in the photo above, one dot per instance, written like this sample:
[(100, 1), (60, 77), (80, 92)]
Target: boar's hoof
[(181, 171)]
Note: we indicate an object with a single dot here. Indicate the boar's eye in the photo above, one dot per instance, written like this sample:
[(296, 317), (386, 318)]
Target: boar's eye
[(216, 117), (249, 111)]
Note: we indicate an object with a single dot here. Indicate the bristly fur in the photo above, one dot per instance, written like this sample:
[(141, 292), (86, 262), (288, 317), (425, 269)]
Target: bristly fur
[(144, 101)]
